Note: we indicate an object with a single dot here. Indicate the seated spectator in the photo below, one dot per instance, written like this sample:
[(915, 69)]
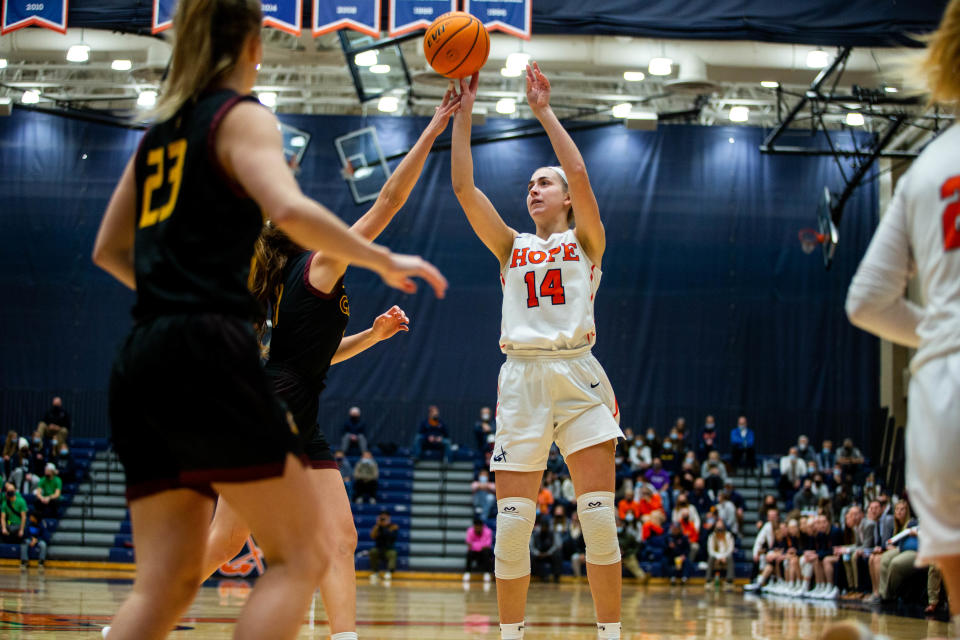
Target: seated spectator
[(792, 472), (48, 492), (546, 550), (742, 446), (628, 536), (682, 440), (700, 497), (676, 557), (658, 476), (640, 456), (714, 472), (720, 553), (669, 457), (806, 501), (555, 484), (479, 550), (346, 469), (893, 562), (568, 493), (9, 453), (38, 452), (56, 417), (850, 459), (769, 502), (354, 432), (555, 461), (433, 434), (22, 476), (483, 435), (819, 487), (692, 532), (648, 502), (682, 506), (574, 548), (652, 444), (544, 497), (805, 451), (690, 464), (628, 505), (623, 475), (62, 458), (871, 489), (727, 512), (366, 479), (708, 442), (13, 515), (826, 458), (384, 534), (35, 535), (484, 495), (766, 538), (653, 527)]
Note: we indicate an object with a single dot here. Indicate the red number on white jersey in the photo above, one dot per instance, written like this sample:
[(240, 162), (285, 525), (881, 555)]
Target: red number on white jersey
[(951, 215)]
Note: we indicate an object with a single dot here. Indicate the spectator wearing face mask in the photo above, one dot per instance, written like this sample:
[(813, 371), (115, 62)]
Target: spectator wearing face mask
[(849, 458), (346, 469), (48, 492), (720, 554), (366, 479), (628, 537), (826, 458), (658, 476), (479, 550), (483, 433), (628, 505), (649, 501), (676, 557), (56, 417), (700, 498), (640, 455), (819, 487), (806, 500), (546, 550), (669, 456), (742, 445), (652, 443), (484, 495), (805, 451), (13, 515), (691, 530), (62, 458), (432, 434), (727, 512), (354, 432), (713, 467), (22, 476), (708, 441), (555, 461), (792, 472), (9, 453)]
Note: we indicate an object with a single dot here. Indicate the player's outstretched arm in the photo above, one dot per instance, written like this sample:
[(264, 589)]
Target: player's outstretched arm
[(385, 326), (483, 217), (250, 149), (113, 248), (589, 228), (325, 271), (875, 300)]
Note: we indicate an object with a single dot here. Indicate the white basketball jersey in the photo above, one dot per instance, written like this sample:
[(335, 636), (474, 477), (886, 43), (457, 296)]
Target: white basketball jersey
[(929, 199), (920, 228), (548, 291)]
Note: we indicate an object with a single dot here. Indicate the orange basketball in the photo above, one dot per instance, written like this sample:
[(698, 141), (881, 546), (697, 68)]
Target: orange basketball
[(456, 45)]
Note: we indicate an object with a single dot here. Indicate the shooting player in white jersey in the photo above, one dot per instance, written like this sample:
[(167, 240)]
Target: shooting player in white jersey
[(551, 388), (920, 232)]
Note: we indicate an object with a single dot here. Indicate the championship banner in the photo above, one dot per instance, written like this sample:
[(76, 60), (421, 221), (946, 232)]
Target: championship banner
[(510, 16), (410, 15), (359, 15), (163, 15), (17, 14), (285, 15)]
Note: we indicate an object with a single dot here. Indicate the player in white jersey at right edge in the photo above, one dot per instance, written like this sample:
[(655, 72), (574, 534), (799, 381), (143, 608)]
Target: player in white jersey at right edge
[(551, 388), (920, 231)]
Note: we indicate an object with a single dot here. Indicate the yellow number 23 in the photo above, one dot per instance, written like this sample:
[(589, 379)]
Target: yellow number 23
[(156, 158)]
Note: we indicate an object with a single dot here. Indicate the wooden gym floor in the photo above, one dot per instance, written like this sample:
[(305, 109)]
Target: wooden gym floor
[(75, 603)]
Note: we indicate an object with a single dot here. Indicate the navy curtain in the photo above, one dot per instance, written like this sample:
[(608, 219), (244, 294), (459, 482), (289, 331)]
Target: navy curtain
[(707, 303)]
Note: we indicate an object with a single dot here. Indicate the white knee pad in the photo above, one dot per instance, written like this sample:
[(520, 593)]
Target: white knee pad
[(515, 518), (598, 521)]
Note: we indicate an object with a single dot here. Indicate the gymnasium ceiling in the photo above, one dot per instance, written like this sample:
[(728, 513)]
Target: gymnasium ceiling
[(309, 75)]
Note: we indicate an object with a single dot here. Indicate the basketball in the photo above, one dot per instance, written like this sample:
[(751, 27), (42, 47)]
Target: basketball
[(456, 45)]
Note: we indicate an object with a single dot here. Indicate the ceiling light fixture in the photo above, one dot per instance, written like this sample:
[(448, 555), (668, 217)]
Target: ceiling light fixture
[(855, 119), (267, 99), (3, 63), (388, 104), (147, 99), (380, 68), (506, 106), (517, 60), (365, 58), (621, 110), (890, 89), (78, 53), (30, 97), (507, 72), (121, 65), (739, 113), (633, 76), (817, 59), (660, 66), (769, 84)]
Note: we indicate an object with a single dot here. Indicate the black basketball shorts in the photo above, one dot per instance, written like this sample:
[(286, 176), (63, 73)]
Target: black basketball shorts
[(190, 405), (302, 400)]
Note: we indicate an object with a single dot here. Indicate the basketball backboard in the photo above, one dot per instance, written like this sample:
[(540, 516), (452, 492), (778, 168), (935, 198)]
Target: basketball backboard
[(826, 227), (363, 165)]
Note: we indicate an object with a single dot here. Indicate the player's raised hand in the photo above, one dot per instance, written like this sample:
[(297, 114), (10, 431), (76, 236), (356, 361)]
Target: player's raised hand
[(538, 88), (388, 324), (441, 115), (401, 269), (468, 92)]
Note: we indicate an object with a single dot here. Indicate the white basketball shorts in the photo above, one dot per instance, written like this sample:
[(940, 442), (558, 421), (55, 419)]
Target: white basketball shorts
[(550, 398), (933, 448)]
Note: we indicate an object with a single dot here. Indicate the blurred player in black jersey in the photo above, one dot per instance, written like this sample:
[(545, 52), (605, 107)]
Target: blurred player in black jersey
[(309, 311), (193, 413)]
